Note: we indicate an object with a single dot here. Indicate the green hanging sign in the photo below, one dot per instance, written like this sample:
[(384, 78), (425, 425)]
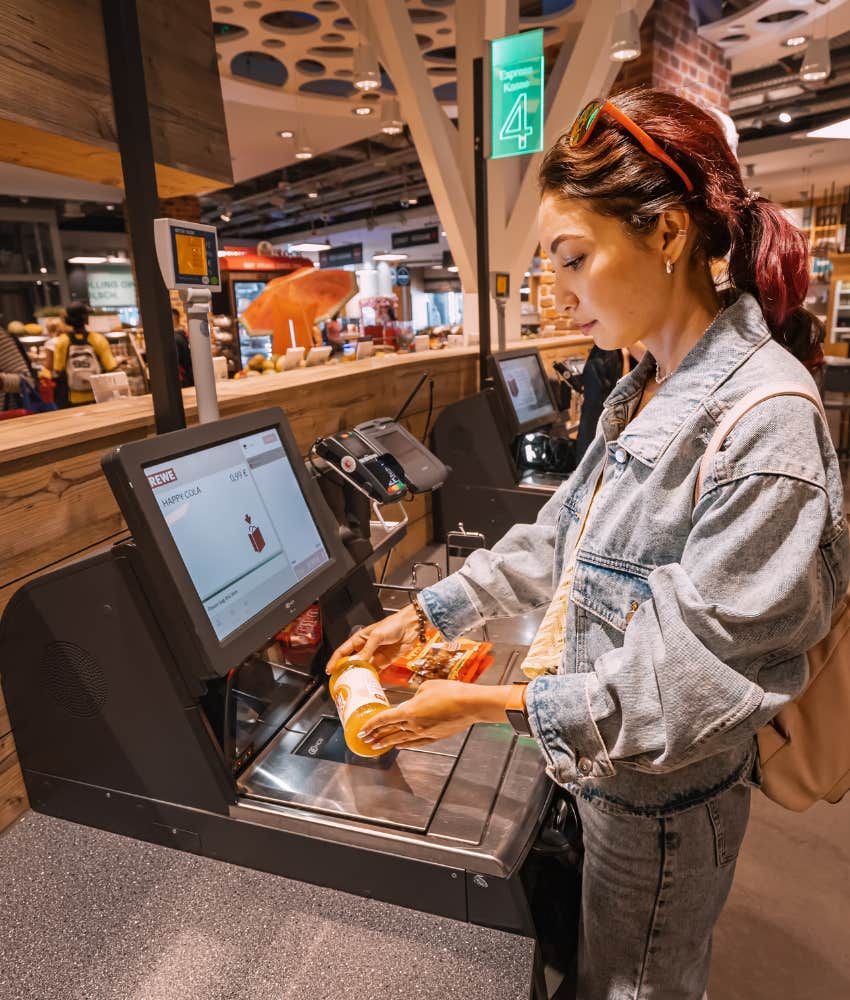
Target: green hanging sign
[(516, 91)]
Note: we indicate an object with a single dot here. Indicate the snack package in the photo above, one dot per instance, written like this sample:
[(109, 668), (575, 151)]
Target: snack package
[(438, 659), (303, 631)]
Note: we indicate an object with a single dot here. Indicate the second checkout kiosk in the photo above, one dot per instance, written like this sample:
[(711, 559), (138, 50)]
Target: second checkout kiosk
[(508, 449)]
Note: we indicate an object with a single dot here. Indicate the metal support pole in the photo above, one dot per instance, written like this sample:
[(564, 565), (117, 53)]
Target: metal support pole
[(132, 122), (482, 237)]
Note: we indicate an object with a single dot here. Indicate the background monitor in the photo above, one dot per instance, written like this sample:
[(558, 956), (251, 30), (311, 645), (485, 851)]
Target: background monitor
[(230, 526), (524, 390)]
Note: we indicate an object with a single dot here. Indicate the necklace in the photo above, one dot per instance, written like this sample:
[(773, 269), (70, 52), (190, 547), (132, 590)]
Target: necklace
[(661, 379)]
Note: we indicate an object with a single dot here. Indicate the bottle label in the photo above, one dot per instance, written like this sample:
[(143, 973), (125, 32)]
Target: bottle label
[(358, 686)]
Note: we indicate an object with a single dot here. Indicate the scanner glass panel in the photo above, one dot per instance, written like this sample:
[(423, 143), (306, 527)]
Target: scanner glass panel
[(527, 391), (240, 523)]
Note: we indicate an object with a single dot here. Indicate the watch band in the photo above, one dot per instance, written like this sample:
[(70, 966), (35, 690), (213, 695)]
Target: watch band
[(515, 710)]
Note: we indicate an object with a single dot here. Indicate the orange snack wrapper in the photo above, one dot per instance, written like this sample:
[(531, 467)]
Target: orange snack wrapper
[(438, 659)]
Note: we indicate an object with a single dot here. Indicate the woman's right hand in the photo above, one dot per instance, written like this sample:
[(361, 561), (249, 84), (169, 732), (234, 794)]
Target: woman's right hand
[(381, 642)]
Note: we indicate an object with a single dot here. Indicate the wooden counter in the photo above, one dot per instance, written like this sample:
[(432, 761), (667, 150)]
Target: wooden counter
[(55, 504)]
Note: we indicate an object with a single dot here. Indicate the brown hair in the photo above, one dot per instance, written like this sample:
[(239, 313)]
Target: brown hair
[(768, 256)]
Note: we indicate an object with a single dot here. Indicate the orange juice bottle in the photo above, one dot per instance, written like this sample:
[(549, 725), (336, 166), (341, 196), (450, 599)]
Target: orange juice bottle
[(356, 690)]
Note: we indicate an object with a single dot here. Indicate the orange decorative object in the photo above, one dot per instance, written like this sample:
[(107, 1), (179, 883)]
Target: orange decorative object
[(304, 298)]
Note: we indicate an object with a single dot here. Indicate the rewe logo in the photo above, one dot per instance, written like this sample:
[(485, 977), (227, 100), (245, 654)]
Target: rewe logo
[(163, 478)]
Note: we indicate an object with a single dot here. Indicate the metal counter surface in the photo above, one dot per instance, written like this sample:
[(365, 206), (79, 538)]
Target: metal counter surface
[(88, 915)]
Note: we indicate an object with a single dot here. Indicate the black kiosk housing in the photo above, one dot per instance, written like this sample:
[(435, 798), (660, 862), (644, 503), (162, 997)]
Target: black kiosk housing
[(483, 438), (135, 709)]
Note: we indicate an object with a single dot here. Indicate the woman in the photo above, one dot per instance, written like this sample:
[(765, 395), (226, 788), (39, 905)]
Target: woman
[(676, 630)]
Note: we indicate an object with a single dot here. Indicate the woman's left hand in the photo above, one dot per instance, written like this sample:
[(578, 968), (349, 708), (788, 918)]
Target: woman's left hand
[(437, 710)]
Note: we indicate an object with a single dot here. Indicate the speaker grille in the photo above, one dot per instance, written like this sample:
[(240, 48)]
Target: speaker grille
[(74, 679)]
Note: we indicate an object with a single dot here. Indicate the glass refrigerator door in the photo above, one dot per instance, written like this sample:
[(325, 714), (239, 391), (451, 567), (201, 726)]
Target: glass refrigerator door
[(244, 293)]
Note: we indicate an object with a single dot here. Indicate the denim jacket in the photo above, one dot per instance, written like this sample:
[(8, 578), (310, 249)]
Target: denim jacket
[(686, 627)]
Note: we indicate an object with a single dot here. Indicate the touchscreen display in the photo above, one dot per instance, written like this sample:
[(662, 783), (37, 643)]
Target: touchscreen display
[(527, 389), (240, 523)]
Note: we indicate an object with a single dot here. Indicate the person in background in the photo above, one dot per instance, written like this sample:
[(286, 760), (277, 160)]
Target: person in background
[(184, 354), (80, 353), (13, 367), (55, 329)]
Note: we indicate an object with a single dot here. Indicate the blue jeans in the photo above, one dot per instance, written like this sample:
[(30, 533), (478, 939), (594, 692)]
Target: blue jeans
[(652, 890)]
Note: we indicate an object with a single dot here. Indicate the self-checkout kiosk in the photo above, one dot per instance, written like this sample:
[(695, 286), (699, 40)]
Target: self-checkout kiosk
[(142, 703), (507, 446)]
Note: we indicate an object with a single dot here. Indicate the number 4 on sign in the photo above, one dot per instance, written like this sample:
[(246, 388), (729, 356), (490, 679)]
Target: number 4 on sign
[(516, 124)]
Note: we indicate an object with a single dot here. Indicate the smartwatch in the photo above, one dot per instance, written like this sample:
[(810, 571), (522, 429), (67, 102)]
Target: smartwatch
[(515, 710)]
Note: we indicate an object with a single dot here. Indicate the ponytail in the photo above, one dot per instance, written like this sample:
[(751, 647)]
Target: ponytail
[(771, 262)]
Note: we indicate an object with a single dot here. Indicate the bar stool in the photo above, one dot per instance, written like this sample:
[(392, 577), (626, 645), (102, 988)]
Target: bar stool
[(836, 383)]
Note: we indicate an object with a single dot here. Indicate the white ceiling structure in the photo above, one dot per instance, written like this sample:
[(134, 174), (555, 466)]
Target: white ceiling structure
[(304, 49)]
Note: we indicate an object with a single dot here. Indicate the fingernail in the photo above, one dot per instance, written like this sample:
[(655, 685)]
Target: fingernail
[(376, 746), (361, 736)]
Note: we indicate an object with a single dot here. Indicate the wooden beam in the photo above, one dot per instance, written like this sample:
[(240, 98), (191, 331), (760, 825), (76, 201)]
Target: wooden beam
[(56, 101)]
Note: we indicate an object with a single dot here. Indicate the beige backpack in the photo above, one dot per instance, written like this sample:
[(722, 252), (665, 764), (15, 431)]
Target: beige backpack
[(805, 750)]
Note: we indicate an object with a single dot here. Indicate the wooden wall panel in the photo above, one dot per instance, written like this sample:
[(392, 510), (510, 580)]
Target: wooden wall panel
[(54, 84)]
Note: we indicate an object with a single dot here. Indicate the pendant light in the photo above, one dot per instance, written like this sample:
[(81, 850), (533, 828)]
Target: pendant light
[(625, 37), (391, 123), (367, 76), (816, 64)]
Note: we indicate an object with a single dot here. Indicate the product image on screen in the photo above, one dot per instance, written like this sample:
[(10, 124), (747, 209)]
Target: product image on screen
[(527, 390), (240, 523)]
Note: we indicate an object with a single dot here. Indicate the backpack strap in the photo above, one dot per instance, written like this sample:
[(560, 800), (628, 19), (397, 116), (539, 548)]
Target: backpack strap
[(736, 412)]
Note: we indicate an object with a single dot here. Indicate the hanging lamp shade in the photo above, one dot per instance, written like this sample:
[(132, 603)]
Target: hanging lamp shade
[(367, 75), (625, 37), (816, 62), (391, 123)]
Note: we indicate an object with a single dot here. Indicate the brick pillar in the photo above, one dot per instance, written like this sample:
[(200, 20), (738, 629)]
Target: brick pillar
[(552, 322), (675, 58)]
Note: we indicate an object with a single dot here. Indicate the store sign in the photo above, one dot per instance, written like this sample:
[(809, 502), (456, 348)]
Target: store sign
[(416, 237), (350, 253), (402, 276), (517, 94), (110, 287), (244, 259)]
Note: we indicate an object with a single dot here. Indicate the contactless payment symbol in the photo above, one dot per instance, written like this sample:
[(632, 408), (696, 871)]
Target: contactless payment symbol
[(258, 543)]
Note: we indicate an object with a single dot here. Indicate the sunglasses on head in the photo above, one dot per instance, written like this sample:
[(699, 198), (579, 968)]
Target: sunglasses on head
[(583, 126)]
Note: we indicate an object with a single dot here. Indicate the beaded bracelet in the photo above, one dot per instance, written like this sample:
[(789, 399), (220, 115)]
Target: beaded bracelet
[(421, 617)]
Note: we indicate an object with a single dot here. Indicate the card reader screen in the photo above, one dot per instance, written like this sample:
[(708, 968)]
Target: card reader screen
[(191, 254), (241, 525), (527, 390)]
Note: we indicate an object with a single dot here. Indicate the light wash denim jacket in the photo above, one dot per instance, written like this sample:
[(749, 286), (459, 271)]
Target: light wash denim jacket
[(686, 627)]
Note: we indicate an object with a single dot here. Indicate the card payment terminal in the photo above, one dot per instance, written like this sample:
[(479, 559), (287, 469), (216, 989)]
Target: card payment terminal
[(356, 459)]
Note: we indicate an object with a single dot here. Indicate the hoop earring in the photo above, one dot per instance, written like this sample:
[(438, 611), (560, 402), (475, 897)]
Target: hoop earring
[(668, 266)]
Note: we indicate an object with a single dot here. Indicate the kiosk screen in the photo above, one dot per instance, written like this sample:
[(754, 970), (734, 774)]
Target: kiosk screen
[(241, 524), (527, 391)]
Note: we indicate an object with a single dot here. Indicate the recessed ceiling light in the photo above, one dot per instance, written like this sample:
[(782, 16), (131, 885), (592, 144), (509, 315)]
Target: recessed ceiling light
[(784, 117), (86, 260), (389, 256), (837, 130), (286, 133), (110, 208), (304, 153), (795, 41), (43, 270), (309, 247), (452, 268), (225, 216), (312, 194), (362, 110)]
